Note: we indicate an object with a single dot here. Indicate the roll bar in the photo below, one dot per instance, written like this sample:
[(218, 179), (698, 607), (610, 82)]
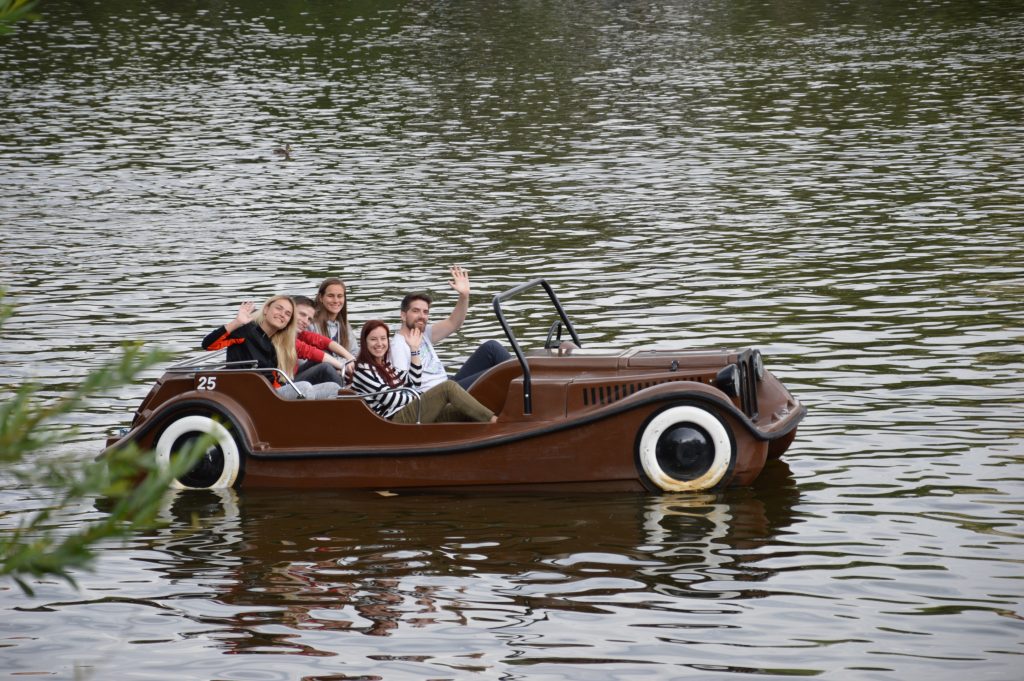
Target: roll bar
[(502, 297)]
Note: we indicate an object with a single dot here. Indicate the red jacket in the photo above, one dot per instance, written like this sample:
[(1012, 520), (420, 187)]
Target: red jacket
[(311, 346)]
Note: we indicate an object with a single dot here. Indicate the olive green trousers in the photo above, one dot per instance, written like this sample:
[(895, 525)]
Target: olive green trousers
[(446, 401)]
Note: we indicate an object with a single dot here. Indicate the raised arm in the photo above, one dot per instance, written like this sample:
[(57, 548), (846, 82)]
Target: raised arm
[(442, 329), (242, 317), (317, 347), (218, 339)]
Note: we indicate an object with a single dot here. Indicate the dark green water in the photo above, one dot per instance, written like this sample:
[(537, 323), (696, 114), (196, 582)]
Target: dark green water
[(837, 183)]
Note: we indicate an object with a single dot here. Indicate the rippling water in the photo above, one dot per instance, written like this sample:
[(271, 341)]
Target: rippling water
[(836, 183)]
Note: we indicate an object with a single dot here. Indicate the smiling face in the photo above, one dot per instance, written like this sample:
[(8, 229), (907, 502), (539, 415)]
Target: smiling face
[(377, 343), (278, 313), (333, 299), (304, 313), (417, 315)]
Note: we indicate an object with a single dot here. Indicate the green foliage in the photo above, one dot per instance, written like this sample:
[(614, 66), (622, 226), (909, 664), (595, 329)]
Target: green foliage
[(131, 479), (23, 426), (15, 10)]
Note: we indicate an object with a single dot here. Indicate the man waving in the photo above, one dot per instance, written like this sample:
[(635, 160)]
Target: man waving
[(416, 315)]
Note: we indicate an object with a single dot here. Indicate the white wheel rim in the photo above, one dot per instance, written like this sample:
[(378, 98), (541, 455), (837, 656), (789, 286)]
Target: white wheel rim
[(698, 417), (202, 425)]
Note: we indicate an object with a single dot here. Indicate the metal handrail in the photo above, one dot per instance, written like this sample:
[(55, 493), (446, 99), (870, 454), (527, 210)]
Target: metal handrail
[(287, 379), (199, 359), (501, 297), (193, 365), (245, 366), (241, 365)]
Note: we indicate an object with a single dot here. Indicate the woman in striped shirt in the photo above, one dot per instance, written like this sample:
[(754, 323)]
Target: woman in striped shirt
[(374, 375)]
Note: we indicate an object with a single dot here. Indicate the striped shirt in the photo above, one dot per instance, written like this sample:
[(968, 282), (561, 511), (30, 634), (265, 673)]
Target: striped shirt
[(368, 380)]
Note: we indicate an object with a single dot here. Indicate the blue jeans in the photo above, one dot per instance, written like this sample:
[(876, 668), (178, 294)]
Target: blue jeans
[(489, 354), (319, 372)]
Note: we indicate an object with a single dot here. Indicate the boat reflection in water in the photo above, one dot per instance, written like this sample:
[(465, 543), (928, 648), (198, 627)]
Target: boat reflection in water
[(372, 564)]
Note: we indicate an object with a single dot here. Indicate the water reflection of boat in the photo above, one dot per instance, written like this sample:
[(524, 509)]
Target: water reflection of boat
[(661, 420), (367, 564)]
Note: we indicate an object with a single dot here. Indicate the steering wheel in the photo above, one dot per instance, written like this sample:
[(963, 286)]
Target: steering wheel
[(550, 344)]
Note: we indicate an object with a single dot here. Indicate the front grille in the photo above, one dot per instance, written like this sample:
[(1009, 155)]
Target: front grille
[(748, 385)]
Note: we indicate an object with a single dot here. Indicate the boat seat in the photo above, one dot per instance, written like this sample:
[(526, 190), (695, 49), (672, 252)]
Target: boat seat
[(491, 389)]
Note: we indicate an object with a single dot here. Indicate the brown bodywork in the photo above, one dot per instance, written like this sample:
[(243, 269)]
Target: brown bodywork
[(581, 424)]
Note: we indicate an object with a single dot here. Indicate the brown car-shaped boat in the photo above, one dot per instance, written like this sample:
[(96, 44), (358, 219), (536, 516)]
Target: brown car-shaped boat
[(654, 419)]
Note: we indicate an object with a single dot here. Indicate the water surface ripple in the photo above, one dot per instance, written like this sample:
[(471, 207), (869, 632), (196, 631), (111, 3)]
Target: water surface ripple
[(838, 184)]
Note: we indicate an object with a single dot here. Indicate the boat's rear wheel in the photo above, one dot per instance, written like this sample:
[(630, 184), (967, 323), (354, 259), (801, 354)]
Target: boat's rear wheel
[(686, 448), (218, 465)]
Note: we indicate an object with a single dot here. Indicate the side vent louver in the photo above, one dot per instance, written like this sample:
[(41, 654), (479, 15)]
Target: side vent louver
[(606, 394), (600, 395)]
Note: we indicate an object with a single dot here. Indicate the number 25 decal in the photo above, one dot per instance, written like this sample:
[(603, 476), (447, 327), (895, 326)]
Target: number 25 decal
[(207, 383)]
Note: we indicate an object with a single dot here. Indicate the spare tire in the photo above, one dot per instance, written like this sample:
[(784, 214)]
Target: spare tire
[(220, 462), (686, 448)]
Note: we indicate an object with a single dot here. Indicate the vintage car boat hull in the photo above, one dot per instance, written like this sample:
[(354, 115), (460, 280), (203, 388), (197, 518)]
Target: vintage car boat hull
[(657, 420)]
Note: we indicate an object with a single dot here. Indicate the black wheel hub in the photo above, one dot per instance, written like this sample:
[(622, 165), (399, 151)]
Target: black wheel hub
[(685, 451), (207, 469)]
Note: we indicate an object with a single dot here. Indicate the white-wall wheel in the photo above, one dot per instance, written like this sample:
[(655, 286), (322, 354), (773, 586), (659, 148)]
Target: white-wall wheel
[(220, 464), (685, 448)]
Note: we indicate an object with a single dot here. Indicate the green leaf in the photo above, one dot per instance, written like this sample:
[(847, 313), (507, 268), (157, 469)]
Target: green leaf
[(129, 477)]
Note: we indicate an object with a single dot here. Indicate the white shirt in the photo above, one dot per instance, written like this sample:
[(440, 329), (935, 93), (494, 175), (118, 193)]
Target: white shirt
[(433, 367)]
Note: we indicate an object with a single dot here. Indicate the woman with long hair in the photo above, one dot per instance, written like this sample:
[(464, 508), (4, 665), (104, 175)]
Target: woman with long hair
[(376, 378), (331, 318), (268, 338), (318, 354)]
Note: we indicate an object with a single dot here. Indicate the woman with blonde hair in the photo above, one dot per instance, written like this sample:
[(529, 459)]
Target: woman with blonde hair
[(268, 338)]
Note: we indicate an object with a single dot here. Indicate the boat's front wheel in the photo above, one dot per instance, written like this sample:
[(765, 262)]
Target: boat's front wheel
[(685, 448), (218, 465)]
